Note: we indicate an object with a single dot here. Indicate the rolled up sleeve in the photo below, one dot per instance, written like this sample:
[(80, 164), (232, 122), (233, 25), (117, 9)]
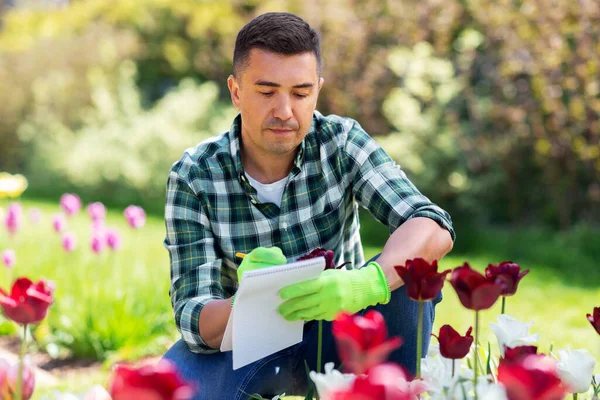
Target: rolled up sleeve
[(381, 186), (195, 268)]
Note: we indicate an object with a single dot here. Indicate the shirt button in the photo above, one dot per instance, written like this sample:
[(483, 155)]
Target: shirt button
[(284, 225), (253, 201)]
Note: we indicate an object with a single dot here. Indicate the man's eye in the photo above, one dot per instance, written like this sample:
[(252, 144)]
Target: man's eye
[(301, 95), (267, 94)]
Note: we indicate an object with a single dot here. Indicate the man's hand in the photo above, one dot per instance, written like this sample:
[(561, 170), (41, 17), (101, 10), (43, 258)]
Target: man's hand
[(261, 257), (335, 291)]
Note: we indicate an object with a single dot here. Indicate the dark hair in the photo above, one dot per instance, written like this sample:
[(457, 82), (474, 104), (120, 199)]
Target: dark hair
[(277, 32)]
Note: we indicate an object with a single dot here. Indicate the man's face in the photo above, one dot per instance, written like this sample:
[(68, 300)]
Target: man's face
[(276, 95)]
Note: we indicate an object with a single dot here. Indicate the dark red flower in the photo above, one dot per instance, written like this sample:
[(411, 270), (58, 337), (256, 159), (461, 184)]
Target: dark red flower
[(329, 257), (516, 354), (474, 290), (362, 342), (452, 345), (595, 319), (532, 378), (384, 382), (28, 302), (149, 382), (421, 279), (508, 274)]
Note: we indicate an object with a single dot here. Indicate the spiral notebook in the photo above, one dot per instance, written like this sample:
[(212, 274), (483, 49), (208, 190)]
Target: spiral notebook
[(255, 329)]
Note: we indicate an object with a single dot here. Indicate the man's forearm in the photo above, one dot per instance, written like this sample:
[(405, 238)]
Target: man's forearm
[(417, 237), (213, 320)]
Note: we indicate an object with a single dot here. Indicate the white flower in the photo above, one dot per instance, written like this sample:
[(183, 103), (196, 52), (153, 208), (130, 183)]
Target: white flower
[(97, 392), (278, 396), (436, 372), (65, 396), (512, 333), (331, 381), (491, 391), (575, 369)]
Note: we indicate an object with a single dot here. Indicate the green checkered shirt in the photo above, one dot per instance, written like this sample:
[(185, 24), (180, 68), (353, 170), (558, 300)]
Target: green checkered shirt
[(212, 211)]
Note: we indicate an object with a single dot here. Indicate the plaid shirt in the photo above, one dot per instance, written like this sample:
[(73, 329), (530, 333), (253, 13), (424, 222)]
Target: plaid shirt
[(212, 211)]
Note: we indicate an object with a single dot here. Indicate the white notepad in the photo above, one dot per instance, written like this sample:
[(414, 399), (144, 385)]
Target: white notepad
[(255, 329)]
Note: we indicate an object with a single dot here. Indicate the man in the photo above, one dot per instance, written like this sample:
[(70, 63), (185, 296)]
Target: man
[(281, 182)]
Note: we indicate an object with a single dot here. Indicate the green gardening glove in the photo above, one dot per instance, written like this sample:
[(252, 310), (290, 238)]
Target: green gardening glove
[(335, 291), (261, 257)]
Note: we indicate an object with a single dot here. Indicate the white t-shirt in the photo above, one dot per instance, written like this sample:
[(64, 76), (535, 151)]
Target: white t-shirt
[(268, 192)]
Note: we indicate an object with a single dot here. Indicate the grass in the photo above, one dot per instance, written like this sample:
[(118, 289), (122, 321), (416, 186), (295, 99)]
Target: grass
[(116, 306)]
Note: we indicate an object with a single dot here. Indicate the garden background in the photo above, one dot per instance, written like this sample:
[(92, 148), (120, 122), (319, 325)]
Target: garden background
[(492, 107)]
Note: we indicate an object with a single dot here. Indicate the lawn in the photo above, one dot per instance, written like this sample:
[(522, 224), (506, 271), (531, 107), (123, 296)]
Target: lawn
[(115, 305)]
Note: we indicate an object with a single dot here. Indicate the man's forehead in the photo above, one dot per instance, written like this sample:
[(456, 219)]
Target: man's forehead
[(283, 70)]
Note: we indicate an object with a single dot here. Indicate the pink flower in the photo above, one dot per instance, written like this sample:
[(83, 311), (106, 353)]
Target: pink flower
[(14, 217), (70, 203), (96, 211), (98, 242), (69, 242), (59, 223), (113, 239), (136, 216), (9, 258), (8, 379), (35, 215)]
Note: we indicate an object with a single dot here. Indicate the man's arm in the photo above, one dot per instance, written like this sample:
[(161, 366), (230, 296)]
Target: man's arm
[(417, 237), (213, 320)]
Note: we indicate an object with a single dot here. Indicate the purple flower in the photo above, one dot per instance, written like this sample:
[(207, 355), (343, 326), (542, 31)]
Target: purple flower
[(69, 242), (136, 216), (14, 216), (35, 215), (59, 223), (96, 211), (9, 258), (113, 239), (70, 203), (98, 242)]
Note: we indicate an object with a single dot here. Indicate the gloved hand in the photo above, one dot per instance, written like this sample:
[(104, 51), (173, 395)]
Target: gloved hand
[(334, 291), (261, 257)]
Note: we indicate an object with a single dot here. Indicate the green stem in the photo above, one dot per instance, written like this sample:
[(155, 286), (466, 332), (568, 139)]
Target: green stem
[(574, 396), (503, 304), (319, 350), (453, 363), (319, 346), (21, 360), (420, 339), (476, 352)]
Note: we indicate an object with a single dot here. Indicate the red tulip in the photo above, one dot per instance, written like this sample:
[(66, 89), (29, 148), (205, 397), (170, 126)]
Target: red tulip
[(516, 354), (452, 345), (532, 378), (421, 279), (595, 319), (508, 274), (28, 302), (384, 382), (362, 342), (150, 382), (474, 290), (329, 257)]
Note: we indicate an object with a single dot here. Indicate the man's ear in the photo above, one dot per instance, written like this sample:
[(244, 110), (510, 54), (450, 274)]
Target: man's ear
[(321, 82), (234, 89)]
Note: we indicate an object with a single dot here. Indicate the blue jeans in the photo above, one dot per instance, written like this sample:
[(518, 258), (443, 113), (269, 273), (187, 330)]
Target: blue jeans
[(285, 371)]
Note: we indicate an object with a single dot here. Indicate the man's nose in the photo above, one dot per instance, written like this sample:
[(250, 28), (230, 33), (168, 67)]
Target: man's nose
[(283, 108)]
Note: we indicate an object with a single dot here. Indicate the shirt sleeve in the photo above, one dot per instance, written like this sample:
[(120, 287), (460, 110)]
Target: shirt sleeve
[(195, 268), (380, 185)]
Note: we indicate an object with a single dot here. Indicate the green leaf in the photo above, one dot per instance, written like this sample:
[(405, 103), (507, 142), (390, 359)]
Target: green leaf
[(488, 367), (311, 385)]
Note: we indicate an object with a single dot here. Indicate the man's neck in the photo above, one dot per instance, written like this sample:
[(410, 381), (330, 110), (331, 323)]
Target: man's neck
[(267, 168)]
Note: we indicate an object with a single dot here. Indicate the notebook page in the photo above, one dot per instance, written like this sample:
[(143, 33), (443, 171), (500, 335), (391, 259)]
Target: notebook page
[(257, 330)]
